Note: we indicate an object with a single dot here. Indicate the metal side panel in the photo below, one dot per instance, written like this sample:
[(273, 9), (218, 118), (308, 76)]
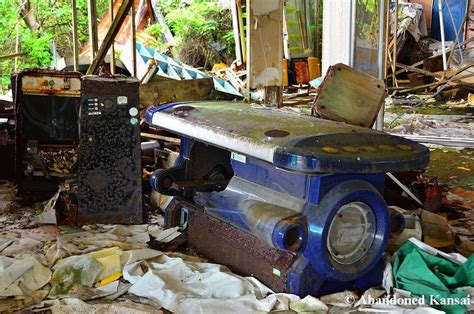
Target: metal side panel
[(109, 157), (243, 253)]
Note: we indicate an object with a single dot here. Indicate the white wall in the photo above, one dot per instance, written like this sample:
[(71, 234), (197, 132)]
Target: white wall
[(337, 33)]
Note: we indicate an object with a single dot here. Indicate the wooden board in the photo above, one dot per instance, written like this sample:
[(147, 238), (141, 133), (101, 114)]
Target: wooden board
[(350, 96), (155, 93), (265, 43)]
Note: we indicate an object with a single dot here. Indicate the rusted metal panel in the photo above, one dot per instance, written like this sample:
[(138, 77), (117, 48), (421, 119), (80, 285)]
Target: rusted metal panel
[(46, 113), (243, 253), (350, 96), (301, 71), (155, 93), (51, 83)]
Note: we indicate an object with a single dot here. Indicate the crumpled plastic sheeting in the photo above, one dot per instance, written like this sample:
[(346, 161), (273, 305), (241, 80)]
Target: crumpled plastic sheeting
[(48, 216), (94, 237), (343, 299), (28, 272), (23, 247), (412, 19), (74, 270), (425, 271), (26, 256), (178, 283), (73, 305), (189, 287), (23, 280)]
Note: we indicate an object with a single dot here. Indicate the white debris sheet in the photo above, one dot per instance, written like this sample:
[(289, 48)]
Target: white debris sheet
[(74, 305), (184, 285), (172, 281), (71, 266), (111, 269), (178, 283)]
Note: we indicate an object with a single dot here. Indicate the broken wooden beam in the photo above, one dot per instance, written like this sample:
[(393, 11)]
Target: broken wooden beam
[(160, 138), (264, 48), (110, 36), (154, 93), (415, 70)]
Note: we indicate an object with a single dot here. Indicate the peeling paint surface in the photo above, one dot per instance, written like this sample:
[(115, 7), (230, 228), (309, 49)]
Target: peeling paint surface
[(263, 7), (49, 82), (269, 77), (263, 133)]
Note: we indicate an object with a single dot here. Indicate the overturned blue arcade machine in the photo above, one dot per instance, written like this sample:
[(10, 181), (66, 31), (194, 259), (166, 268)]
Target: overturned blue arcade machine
[(293, 200)]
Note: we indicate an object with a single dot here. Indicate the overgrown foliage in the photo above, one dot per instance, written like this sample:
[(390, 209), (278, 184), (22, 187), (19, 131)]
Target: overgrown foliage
[(40, 25), (202, 29)]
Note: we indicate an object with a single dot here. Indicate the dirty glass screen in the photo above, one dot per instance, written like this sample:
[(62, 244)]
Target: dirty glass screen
[(300, 23), (50, 117), (366, 36)]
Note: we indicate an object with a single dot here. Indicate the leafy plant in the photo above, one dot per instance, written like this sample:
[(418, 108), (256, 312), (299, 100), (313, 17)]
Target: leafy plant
[(39, 23), (156, 31), (202, 29)]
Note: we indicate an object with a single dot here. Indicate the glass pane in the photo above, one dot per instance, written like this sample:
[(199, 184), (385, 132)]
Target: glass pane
[(366, 36), (299, 19)]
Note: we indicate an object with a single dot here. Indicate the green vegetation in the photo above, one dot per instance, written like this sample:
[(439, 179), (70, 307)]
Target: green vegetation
[(367, 20), (39, 23), (436, 109), (460, 171), (202, 29)]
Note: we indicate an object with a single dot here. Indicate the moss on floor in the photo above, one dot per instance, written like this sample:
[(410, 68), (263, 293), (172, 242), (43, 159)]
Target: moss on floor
[(454, 167), (438, 108)]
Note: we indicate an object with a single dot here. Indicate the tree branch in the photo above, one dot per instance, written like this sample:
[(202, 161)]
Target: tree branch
[(28, 15)]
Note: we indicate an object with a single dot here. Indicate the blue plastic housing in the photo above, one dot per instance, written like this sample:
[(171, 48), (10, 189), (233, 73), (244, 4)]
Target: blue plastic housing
[(290, 200)]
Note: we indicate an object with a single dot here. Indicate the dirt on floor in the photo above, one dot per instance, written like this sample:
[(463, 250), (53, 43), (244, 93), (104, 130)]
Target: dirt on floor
[(453, 167)]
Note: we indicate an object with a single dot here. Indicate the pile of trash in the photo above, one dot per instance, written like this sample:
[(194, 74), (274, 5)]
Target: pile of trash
[(45, 269), (98, 268), (446, 126)]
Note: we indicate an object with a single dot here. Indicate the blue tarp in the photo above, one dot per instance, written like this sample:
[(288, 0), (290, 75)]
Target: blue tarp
[(458, 10)]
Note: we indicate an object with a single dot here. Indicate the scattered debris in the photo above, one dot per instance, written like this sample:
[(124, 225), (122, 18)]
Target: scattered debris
[(169, 68), (61, 268)]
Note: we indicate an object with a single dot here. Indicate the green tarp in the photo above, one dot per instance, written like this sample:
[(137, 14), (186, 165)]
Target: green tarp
[(437, 278)]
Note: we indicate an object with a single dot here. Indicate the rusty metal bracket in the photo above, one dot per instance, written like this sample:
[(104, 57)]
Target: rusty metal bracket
[(109, 38)]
